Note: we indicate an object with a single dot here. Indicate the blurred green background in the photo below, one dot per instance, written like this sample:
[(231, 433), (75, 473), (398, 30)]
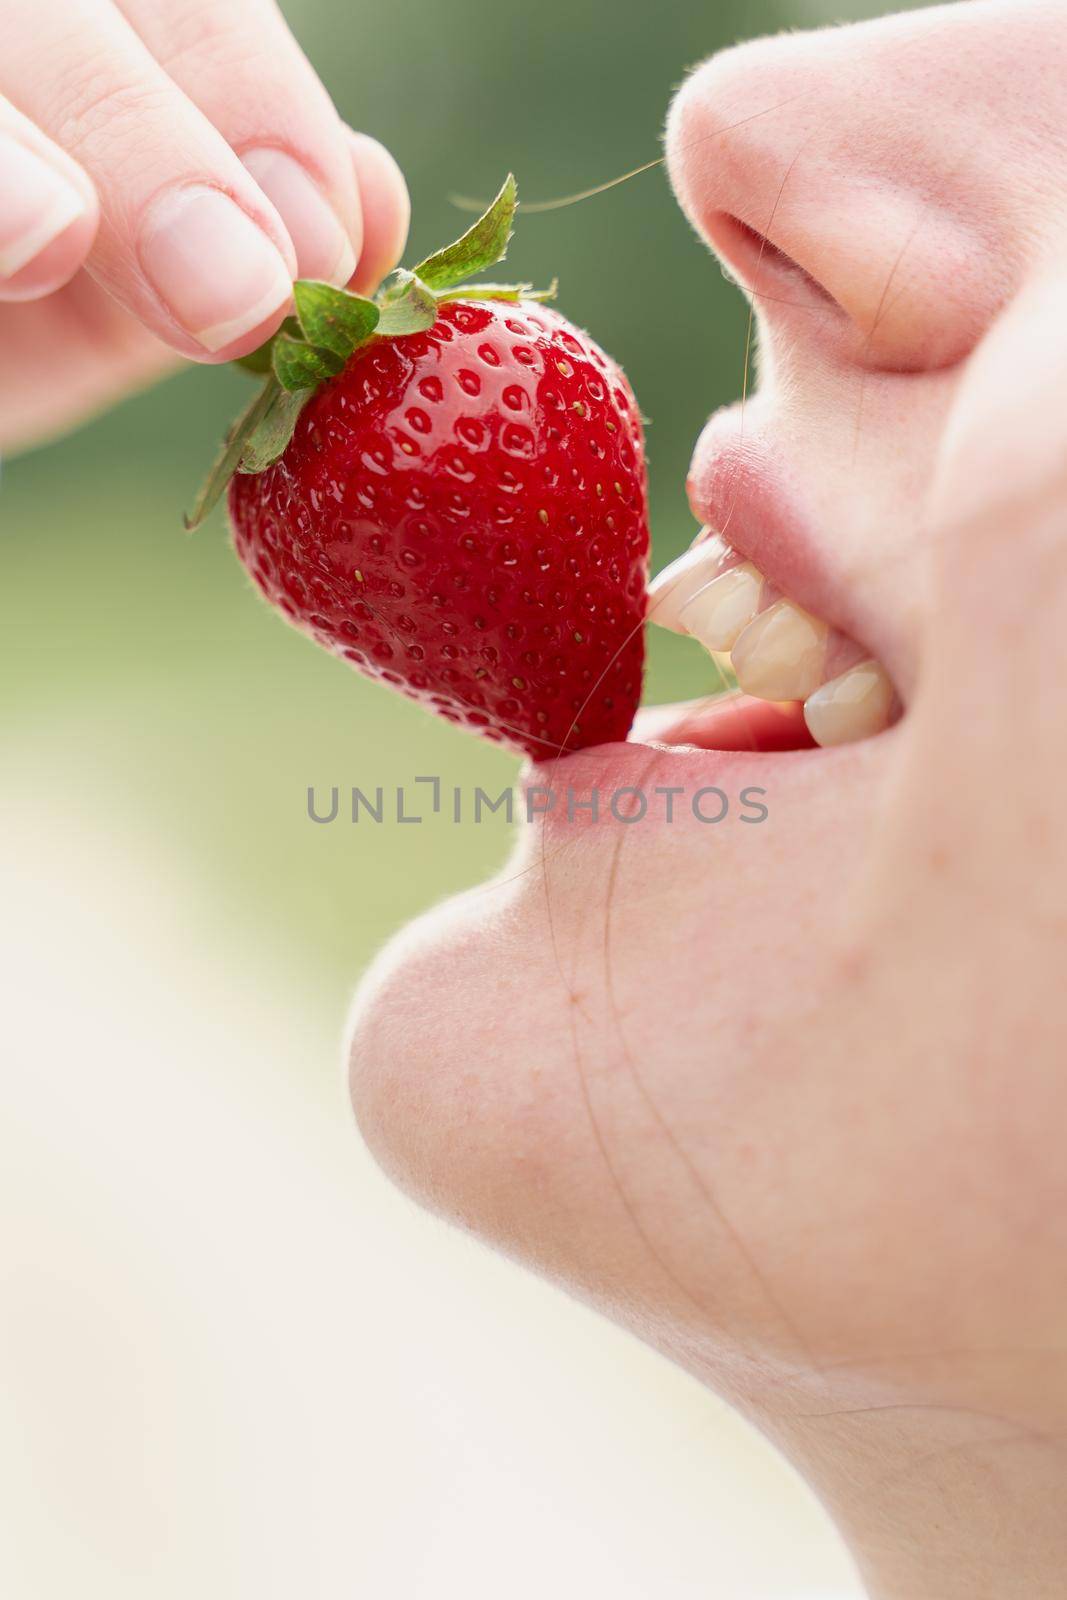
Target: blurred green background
[(139, 662)]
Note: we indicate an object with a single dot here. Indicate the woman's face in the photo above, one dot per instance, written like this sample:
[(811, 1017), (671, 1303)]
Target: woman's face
[(787, 1096)]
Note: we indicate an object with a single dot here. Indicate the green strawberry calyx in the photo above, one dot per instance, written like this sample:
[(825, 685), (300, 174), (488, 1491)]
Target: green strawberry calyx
[(330, 324)]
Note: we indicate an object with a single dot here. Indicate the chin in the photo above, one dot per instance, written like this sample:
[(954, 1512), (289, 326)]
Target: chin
[(451, 1041)]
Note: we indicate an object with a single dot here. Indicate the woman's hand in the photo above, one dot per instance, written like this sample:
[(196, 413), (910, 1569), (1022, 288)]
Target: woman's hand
[(167, 167)]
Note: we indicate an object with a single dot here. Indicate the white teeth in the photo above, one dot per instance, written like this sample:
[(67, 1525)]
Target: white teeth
[(716, 613), (670, 593), (854, 706), (779, 653)]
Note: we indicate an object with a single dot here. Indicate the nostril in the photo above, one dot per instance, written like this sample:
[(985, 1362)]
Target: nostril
[(759, 262)]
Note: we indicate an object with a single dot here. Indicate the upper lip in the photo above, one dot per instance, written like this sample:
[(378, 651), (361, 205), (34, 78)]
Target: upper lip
[(739, 485)]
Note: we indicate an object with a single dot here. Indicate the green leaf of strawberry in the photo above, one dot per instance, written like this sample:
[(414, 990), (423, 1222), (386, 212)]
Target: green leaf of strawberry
[(257, 362), (334, 319), (408, 307), (228, 458), (269, 439), (482, 246), (301, 366)]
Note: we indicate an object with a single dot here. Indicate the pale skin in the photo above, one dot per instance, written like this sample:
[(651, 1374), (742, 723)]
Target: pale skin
[(167, 167), (790, 1101)]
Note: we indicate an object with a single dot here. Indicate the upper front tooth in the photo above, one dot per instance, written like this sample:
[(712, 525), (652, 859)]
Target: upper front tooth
[(716, 613), (781, 655), (670, 591)]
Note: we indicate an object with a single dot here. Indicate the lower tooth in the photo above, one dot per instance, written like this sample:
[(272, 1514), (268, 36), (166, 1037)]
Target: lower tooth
[(780, 655), (854, 706)]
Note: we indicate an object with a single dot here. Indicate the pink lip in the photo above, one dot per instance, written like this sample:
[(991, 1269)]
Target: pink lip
[(738, 487), (690, 744)]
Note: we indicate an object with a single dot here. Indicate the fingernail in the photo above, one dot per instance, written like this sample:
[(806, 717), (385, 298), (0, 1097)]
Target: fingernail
[(212, 266), (36, 205), (323, 248)]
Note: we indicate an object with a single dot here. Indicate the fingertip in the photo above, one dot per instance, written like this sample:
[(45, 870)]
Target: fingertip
[(49, 221), (386, 210), (55, 264), (235, 349)]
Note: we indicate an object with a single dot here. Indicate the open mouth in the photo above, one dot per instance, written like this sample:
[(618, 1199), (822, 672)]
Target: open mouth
[(759, 590), (730, 720), (802, 680)]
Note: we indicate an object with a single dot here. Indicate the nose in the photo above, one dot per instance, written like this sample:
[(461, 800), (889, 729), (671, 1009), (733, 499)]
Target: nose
[(811, 165)]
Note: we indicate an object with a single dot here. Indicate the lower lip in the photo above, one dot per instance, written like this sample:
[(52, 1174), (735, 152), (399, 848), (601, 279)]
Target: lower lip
[(732, 738), (627, 783)]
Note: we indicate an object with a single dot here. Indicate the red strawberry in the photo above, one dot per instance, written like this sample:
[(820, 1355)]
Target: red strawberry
[(461, 510)]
